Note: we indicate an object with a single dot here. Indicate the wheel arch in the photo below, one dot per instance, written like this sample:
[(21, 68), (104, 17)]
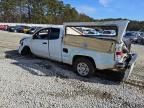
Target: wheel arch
[(26, 48), (82, 56)]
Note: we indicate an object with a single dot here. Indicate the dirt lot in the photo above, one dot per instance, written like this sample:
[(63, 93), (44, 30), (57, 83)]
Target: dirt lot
[(31, 82)]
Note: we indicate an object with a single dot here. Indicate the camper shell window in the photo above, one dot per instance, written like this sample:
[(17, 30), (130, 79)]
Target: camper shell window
[(92, 31)]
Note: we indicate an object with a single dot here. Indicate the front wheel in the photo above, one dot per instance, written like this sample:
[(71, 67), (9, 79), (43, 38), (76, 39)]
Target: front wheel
[(84, 67), (26, 51)]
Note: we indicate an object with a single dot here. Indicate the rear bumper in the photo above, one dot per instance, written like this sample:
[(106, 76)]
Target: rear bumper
[(132, 59), (127, 64)]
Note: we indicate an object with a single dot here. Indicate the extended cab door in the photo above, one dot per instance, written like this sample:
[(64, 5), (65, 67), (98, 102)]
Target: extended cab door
[(39, 43), (55, 44)]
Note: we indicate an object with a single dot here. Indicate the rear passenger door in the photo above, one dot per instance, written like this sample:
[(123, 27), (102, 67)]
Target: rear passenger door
[(55, 44)]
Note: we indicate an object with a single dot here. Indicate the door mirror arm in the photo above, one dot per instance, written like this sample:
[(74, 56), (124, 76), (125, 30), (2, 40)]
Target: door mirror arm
[(34, 36)]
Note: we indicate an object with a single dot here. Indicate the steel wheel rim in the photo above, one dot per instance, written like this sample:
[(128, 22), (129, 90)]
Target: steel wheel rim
[(83, 69)]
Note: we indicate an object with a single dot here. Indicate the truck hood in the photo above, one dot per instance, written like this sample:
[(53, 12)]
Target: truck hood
[(27, 36)]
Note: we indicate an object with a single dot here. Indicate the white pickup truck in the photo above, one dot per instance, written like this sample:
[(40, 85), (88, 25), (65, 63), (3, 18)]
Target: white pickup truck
[(85, 49)]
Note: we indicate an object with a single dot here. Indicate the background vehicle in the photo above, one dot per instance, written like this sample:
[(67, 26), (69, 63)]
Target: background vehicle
[(11, 28), (3, 27), (20, 28), (87, 31), (86, 53), (108, 32), (132, 36), (140, 39), (26, 29)]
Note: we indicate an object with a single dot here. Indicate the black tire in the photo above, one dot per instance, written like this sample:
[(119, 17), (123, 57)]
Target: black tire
[(88, 63), (26, 51)]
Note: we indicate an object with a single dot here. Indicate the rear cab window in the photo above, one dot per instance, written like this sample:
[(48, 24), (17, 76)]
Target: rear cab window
[(54, 33)]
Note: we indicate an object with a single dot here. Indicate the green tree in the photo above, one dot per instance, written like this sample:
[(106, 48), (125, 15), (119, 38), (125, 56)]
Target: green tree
[(39, 11), (7, 8)]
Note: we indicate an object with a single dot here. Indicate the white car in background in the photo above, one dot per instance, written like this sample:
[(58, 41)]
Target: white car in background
[(109, 32)]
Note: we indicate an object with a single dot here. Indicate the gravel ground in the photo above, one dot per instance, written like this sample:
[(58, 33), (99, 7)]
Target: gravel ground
[(31, 82)]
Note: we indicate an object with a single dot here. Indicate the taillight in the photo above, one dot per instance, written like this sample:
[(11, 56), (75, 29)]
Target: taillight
[(120, 53)]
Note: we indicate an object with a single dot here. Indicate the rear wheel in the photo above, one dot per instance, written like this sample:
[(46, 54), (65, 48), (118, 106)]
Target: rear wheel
[(84, 67)]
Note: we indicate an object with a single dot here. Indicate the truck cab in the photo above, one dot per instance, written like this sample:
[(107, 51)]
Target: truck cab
[(83, 46), (46, 43)]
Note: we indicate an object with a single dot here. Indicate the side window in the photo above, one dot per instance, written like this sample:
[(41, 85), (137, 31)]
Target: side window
[(54, 33), (42, 34)]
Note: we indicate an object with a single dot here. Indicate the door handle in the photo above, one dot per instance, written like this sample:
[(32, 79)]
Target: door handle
[(44, 43)]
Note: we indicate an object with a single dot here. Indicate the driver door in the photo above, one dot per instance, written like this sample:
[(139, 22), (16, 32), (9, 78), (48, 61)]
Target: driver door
[(39, 43)]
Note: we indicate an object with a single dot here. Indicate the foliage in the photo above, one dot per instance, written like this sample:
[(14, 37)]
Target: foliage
[(39, 11), (133, 25)]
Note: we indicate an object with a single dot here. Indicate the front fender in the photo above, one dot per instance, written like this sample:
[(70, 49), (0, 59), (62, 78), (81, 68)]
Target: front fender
[(23, 43)]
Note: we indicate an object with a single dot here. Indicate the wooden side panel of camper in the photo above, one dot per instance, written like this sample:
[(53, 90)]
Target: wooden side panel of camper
[(107, 46)]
